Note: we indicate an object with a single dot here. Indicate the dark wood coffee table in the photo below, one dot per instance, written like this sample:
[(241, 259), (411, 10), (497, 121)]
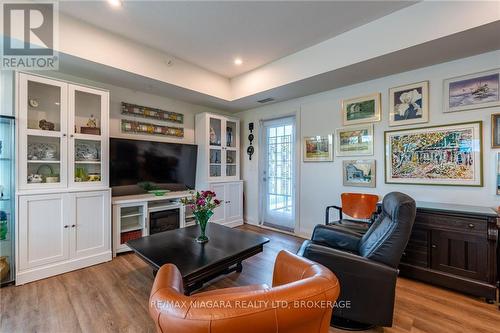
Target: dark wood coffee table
[(199, 263)]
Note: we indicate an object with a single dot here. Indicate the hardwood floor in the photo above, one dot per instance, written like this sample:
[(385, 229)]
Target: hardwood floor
[(113, 297)]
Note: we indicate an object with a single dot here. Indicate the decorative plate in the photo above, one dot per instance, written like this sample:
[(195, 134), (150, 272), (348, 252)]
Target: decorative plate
[(86, 151), (42, 151)]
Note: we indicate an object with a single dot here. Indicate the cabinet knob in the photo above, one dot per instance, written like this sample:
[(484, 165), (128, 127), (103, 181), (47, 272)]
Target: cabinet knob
[(73, 225), (228, 201), (71, 136), (66, 226), (433, 246), (64, 135), (471, 226)]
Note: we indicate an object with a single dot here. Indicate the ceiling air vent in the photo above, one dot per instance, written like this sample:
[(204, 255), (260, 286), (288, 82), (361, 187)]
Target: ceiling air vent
[(266, 100)]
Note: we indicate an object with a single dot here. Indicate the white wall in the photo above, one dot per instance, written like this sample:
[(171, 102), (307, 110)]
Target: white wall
[(320, 184), (120, 94)]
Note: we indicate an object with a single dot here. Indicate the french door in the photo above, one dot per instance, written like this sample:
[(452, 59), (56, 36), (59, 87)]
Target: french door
[(278, 173)]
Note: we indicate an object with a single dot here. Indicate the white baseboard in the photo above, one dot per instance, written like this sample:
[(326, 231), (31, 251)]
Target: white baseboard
[(38, 273), (233, 224)]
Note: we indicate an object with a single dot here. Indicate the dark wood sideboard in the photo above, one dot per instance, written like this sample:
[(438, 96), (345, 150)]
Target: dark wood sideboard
[(456, 247)]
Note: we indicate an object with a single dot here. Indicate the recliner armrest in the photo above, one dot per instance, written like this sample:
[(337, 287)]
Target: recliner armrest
[(337, 237), (338, 260)]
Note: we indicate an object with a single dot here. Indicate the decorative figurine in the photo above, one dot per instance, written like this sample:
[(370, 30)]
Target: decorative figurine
[(46, 125), (92, 122)]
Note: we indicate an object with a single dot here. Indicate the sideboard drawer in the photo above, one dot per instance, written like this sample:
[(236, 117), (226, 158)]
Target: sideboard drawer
[(468, 224)]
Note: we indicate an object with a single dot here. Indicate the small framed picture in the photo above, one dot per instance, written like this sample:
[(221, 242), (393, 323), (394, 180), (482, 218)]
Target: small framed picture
[(318, 148), (472, 91), (409, 104), (361, 110), (354, 140), (361, 173), (495, 130)]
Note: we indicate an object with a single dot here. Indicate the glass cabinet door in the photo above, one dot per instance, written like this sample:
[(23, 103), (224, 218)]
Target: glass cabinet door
[(43, 128), (88, 132), (215, 148)]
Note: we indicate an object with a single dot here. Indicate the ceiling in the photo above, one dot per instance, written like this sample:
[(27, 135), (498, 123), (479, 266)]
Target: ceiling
[(258, 32)]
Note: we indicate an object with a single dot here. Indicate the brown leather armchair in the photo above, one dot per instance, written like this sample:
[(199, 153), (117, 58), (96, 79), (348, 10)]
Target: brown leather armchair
[(300, 300)]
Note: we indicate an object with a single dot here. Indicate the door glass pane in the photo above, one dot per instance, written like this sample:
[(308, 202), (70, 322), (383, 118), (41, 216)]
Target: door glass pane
[(278, 174), (44, 160), (87, 113), (44, 106), (215, 170), (215, 132), (215, 162), (87, 161), (230, 163), (230, 134)]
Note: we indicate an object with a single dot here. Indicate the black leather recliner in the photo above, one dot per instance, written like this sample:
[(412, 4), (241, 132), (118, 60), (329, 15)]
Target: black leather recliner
[(366, 265)]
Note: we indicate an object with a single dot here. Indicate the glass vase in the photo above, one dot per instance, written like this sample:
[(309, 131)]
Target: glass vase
[(202, 218)]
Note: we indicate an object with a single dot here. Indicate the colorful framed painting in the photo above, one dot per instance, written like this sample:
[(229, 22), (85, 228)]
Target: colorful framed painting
[(318, 148), (437, 155), (354, 140), (474, 91), (495, 130), (361, 173), (409, 104), (361, 110)]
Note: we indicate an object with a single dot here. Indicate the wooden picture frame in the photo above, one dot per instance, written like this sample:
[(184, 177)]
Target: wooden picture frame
[(361, 110), (318, 148), (359, 173), (437, 155), (495, 130), (409, 104)]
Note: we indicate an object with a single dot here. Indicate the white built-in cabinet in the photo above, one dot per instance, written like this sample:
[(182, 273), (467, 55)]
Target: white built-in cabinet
[(63, 199), (218, 166)]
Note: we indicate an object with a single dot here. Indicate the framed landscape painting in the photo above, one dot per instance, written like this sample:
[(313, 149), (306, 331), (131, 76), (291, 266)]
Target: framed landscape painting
[(354, 141), (437, 155), (360, 110), (495, 130), (318, 148), (474, 91), (359, 173), (409, 104)]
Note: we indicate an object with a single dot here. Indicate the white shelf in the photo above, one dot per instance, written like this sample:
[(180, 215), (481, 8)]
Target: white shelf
[(39, 132), (131, 229), (44, 161), (131, 215), (87, 162), (89, 137)]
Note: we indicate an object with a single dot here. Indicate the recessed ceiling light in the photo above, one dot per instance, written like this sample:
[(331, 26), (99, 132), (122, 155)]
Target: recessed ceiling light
[(238, 61), (115, 3)]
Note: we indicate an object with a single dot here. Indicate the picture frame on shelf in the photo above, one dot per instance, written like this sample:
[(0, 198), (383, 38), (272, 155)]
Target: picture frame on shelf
[(361, 110), (354, 141), (495, 130), (359, 173), (473, 91), (435, 155), (318, 148), (409, 104)]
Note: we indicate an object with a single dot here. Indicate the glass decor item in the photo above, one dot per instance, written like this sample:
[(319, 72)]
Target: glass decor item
[(202, 204)]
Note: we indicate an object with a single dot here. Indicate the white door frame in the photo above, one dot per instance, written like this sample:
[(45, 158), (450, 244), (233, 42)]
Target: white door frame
[(296, 174)]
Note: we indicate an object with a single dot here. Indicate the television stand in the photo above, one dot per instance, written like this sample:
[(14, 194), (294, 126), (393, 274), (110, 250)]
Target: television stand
[(131, 215)]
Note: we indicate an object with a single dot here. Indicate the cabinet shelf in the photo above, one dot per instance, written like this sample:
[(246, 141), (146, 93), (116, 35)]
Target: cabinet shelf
[(44, 161), (133, 228), (88, 162)]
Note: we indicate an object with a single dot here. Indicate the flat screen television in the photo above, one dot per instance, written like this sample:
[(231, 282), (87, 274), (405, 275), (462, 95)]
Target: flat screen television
[(170, 166)]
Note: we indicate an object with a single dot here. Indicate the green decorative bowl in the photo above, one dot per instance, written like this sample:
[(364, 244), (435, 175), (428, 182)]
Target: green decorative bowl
[(159, 193)]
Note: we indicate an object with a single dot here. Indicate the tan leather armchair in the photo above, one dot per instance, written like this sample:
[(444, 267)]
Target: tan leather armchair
[(300, 300)]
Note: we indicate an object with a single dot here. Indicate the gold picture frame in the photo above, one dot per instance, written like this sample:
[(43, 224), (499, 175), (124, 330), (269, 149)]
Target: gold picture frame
[(318, 148), (495, 130)]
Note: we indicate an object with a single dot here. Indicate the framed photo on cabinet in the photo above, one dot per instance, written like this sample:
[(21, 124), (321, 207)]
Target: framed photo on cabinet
[(318, 148), (409, 104), (436, 155), (354, 141), (495, 130), (474, 91), (360, 110), (498, 173), (359, 173)]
